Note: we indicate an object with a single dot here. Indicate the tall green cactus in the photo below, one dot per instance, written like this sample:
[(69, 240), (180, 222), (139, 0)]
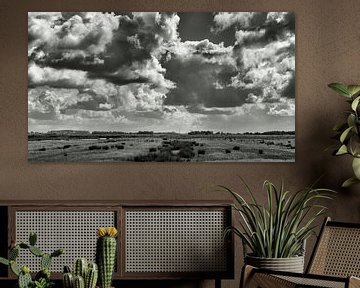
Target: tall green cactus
[(106, 254)]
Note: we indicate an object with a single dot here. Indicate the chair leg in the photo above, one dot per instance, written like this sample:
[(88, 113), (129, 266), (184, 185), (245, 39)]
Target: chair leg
[(246, 274)]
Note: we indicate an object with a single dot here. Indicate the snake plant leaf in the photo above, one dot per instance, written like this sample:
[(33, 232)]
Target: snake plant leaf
[(353, 89), (356, 167), (349, 182), (340, 88), (342, 150), (345, 134), (355, 103)]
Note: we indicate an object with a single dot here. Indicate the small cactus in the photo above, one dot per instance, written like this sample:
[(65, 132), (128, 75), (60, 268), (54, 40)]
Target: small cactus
[(83, 274), (36, 251), (24, 278), (91, 276), (79, 282), (80, 267), (68, 280), (13, 253), (45, 261), (106, 254)]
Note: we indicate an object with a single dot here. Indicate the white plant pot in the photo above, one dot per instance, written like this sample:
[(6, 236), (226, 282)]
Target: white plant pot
[(291, 264)]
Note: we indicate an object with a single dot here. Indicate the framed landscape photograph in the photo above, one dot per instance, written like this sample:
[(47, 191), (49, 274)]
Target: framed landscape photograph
[(161, 87)]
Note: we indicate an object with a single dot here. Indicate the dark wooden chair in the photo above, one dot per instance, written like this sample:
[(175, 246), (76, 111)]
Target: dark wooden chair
[(335, 262)]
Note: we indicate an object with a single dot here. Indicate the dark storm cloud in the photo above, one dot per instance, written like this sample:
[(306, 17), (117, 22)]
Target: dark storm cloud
[(196, 80)]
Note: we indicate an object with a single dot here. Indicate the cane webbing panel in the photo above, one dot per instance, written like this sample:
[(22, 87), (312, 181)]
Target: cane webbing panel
[(338, 252), (175, 241), (75, 231), (313, 282)]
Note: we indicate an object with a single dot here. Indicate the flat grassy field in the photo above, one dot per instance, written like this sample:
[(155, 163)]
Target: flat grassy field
[(166, 148)]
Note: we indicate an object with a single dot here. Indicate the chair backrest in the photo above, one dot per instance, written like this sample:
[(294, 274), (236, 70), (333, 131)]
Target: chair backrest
[(337, 251)]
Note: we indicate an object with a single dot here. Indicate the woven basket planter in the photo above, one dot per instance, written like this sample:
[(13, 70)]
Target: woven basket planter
[(291, 264)]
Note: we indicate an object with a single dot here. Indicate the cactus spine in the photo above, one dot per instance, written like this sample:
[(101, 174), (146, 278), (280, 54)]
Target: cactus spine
[(106, 254)]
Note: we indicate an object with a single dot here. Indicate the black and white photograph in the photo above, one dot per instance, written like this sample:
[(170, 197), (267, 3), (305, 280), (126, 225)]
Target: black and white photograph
[(161, 87)]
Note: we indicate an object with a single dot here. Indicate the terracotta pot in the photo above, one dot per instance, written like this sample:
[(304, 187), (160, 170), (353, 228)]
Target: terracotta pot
[(291, 264)]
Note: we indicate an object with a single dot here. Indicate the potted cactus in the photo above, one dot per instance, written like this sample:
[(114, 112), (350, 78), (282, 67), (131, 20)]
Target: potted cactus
[(42, 278), (106, 254), (84, 275)]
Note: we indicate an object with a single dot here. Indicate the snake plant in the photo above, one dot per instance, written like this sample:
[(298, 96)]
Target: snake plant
[(349, 131), (279, 228)]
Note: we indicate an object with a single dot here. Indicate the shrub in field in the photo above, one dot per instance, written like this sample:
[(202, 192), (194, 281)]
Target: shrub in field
[(66, 146), (261, 151), (94, 147), (42, 149), (178, 145), (236, 148), (201, 152), (186, 153), (227, 151)]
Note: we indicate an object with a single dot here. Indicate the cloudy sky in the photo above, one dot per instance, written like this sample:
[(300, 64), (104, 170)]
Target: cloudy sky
[(231, 72)]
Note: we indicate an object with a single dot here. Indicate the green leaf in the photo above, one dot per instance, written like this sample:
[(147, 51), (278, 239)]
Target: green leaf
[(342, 150), (351, 120), (340, 88), (356, 167), (349, 182), (353, 89), (345, 134), (354, 145), (355, 103)]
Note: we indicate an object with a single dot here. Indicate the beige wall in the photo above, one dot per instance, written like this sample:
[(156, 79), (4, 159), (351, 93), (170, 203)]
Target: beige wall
[(327, 50)]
